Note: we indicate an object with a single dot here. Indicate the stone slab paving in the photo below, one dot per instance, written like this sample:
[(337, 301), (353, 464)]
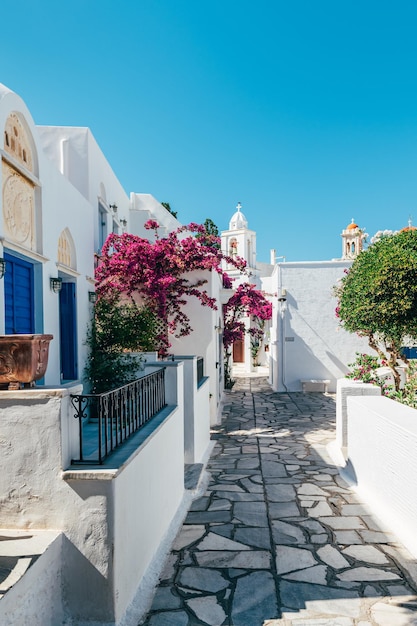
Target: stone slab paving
[(278, 538)]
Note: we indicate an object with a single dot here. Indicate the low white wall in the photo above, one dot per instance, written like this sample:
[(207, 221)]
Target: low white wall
[(147, 494), (345, 389), (201, 421), (196, 411), (382, 463)]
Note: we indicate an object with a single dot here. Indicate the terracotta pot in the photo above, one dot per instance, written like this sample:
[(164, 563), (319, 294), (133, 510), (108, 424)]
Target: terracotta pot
[(23, 359)]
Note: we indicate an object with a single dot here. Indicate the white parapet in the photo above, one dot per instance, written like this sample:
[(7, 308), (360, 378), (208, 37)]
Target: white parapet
[(382, 464), (346, 388)]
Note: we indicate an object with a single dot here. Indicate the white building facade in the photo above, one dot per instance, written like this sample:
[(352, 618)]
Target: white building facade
[(60, 199), (308, 344), (307, 341)]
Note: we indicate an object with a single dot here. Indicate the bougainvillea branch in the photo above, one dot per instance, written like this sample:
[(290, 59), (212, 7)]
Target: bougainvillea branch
[(246, 301), (159, 273)]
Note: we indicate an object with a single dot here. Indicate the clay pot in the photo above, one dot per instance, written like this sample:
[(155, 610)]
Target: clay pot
[(23, 359)]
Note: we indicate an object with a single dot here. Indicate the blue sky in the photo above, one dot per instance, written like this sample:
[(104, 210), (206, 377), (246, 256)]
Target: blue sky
[(305, 112)]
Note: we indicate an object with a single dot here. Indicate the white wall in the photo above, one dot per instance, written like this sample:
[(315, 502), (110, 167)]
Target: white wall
[(382, 462), (147, 494), (76, 215), (307, 340), (204, 340), (144, 206), (345, 389), (196, 412), (76, 154)]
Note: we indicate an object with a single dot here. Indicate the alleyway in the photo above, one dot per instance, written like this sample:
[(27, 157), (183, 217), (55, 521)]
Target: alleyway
[(278, 539)]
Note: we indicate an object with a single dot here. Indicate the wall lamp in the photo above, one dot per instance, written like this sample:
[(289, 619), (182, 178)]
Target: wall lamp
[(113, 207), (92, 297), (283, 296), (2, 267), (123, 222), (55, 284)]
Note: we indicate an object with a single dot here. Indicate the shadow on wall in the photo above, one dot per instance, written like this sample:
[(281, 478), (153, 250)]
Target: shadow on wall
[(299, 360), (343, 367), (92, 602)]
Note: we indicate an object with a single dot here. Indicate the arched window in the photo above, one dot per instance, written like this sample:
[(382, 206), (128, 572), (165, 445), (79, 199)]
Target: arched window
[(66, 250), (233, 247)]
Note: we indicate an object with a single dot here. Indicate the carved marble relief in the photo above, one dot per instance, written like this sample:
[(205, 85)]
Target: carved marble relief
[(18, 207), (16, 141)]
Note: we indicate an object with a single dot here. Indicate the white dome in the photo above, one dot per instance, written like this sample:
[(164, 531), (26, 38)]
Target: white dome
[(238, 219)]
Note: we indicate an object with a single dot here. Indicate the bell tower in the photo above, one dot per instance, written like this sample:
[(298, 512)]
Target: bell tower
[(240, 241), (352, 241)]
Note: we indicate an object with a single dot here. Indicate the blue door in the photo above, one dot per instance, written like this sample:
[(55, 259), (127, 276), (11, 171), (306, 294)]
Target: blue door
[(18, 296), (68, 332)]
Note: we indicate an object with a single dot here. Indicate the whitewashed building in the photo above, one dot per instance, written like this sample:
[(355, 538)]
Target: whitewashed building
[(60, 199), (307, 342), (309, 349), (111, 522)]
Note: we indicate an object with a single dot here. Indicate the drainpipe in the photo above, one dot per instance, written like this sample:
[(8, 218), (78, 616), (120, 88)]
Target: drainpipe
[(282, 307)]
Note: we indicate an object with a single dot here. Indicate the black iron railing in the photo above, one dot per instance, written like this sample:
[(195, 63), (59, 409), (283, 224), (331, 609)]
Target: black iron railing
[(106, 420)]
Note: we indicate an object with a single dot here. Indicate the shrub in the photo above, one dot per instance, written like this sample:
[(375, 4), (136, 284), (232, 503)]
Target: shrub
[(117, 329), (364, 369)]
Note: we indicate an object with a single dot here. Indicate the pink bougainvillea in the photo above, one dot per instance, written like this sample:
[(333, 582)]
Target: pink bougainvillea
[(247, 300), (160, 273), (152, 225)]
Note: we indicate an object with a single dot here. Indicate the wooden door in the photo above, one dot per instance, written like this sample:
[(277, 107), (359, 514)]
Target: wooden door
[(239, 351)]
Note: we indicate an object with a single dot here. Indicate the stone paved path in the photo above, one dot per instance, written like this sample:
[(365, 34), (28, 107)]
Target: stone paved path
[(278, 539)]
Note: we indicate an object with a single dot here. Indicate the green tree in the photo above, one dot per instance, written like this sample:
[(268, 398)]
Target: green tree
[(167, 206), (378, 296), (211, 227), (212, 230)]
